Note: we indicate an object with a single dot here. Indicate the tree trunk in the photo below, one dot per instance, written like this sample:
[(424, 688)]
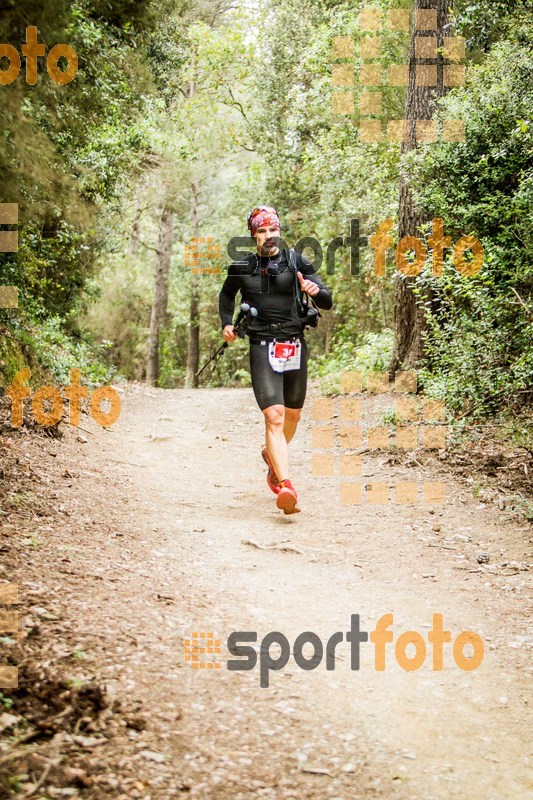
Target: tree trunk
[(159, 305), (136, 224), (193, 346), (328, 333), (409, 311)]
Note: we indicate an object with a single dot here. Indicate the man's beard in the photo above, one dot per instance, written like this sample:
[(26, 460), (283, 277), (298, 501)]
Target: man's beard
[(268, 247)]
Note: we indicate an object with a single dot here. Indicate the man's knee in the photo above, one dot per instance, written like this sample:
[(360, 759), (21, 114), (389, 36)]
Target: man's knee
[(274, 416), (293, 414)]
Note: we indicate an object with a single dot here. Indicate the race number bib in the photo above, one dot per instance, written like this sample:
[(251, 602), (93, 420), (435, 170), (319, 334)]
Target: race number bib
[(284, 356)]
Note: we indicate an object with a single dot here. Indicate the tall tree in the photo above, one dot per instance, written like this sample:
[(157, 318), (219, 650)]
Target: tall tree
[(160, 301), (193, 345), (410, 297)]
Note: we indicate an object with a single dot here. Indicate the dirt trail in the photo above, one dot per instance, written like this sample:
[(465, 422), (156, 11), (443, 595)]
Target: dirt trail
[(156, 512)]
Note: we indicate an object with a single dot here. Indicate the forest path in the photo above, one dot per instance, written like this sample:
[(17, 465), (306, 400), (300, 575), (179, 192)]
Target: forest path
[(161, 505)]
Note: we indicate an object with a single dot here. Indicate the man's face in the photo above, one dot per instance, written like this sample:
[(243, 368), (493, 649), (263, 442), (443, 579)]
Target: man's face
[(266, 240)]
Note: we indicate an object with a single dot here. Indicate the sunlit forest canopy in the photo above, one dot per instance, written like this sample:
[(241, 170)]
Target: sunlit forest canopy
[(184, 115)]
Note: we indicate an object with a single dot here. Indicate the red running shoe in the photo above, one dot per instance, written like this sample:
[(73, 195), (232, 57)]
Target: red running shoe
[(287, 498), (272, 478)]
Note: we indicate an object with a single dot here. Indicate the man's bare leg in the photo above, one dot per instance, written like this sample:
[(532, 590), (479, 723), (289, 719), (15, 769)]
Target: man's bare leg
[(276, 443), (292, 418), (280, 425)]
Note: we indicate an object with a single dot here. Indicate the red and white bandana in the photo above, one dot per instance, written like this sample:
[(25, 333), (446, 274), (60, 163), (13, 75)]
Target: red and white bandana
[(261, 217)]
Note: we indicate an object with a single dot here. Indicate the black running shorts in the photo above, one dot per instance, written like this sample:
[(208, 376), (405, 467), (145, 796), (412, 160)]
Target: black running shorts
[(277, 388)]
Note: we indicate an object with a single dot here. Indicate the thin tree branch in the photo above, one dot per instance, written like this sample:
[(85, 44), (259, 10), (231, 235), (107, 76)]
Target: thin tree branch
[(148, 247), (235, 103), (522, 302)]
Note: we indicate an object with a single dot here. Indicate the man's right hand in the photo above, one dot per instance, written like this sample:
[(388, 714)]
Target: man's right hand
[(229, 333)]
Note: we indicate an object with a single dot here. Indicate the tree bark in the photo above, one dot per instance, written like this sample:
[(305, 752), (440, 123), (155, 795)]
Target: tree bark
[(193, 345), (160, 301), (137, 211), (193, 348), (410, 311), (328, 333)]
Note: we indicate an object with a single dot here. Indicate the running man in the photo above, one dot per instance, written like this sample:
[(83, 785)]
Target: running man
[(278, 350)]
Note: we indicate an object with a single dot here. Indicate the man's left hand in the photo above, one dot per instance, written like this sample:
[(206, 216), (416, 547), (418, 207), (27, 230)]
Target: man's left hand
[(308, 286)]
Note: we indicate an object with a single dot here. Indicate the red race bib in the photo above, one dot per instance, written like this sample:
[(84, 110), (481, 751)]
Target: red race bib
[(284, 349)]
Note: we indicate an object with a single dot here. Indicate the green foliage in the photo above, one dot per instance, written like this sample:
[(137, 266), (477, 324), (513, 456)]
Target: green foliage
[(517, 428), (172, 368), (6, 702), (120, 317), (15, 782), (484, 23), (51, 352), (390, 417), (66, 151), (373, 355), (480, 338), (472, 360), (59, 352), (168, 106)]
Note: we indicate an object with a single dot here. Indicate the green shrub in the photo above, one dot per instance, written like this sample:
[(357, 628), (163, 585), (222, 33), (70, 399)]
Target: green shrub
[(373, 355), (479, 345)]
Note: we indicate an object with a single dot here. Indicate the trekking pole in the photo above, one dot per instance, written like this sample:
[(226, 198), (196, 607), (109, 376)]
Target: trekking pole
[(242, 323), (214, 357), (244, 318)]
